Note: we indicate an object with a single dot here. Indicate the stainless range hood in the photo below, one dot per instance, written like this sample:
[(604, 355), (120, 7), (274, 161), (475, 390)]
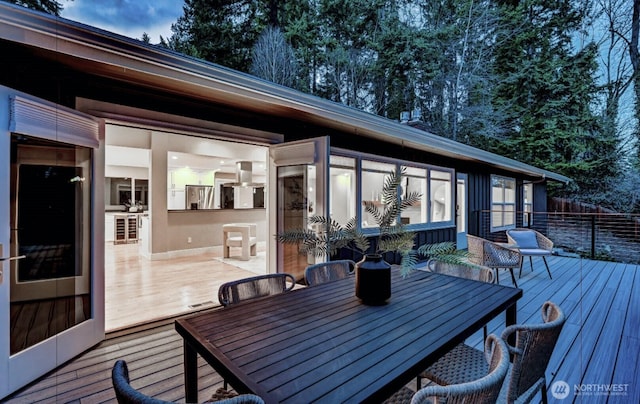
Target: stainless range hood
[(244, 176)]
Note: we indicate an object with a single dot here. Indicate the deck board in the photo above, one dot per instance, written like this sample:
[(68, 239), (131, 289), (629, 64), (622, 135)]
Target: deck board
[(600, 343)]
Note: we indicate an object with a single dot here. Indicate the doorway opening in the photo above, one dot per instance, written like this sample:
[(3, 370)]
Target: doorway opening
[(164, 211)]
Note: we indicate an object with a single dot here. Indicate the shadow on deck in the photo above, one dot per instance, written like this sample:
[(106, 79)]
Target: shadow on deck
[(599, 347)]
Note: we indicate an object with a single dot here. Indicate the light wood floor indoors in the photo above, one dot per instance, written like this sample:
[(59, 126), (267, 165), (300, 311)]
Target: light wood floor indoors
[(139, 290)]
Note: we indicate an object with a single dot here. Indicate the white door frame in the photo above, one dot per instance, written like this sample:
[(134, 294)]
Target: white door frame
[(39, 118), (312, 152), (462, 217)]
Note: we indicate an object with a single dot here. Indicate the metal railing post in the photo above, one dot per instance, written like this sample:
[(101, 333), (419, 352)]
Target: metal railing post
[(593, 236)]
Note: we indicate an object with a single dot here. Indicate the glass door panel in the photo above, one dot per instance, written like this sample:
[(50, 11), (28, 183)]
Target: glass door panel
[(299, 174), (50, 227), (51, 239)]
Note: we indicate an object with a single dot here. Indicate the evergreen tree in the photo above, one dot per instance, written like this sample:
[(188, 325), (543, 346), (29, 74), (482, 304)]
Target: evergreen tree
[(546, 94), (457, 42), (300, 26), (47, 6), (220, 31)]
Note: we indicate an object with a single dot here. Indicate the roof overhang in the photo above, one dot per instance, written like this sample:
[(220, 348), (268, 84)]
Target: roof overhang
[(111, 55)]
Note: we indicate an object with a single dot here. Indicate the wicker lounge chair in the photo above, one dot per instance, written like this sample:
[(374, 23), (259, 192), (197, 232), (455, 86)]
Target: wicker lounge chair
[(493, 255), (534, 344), (531, 243), (328, 271), (484, 389), (126, 394), (257, 286)]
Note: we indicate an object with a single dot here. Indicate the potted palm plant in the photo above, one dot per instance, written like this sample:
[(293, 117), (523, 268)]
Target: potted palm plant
[(373, 273)]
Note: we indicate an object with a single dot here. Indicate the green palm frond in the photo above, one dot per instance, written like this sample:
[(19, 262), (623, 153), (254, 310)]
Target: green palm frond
[(411, 199), (409, 261), (371, 208), (360, 241), (445, 251), (400, 242)]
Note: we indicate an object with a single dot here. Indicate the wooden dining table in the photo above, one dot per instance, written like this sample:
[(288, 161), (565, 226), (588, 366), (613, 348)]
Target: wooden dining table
[(321, 344)]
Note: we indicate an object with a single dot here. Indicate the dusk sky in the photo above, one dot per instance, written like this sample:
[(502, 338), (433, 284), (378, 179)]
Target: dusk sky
[(126, 17)]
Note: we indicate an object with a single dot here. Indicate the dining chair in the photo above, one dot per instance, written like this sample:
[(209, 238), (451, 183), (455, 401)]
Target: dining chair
[(493, 255), (240, 290), (328, 271), (126, 394), (256, 286), (534, 344), (531, 243), (473, 272), (483, 389), (468, 271)]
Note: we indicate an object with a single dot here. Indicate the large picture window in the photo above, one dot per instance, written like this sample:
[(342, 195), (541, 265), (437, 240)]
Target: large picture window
[(373, 176), (355, 180), (342, 205), (440, 195), (415, 180), (503, 202)]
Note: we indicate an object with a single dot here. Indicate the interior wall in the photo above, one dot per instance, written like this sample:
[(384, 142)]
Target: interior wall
[(173, 231), (203, 229)]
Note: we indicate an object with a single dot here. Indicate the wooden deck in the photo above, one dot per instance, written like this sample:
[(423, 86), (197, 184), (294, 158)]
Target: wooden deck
[(599, 347)]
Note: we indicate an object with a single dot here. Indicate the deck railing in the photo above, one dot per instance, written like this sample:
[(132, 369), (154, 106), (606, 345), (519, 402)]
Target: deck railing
[(602, 236)]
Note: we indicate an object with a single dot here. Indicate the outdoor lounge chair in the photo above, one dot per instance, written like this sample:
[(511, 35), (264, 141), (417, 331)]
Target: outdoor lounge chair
[(256, 286), (531, 243), (484, 389), (126, 394), (328, 271), (534, 344), (493, 255)]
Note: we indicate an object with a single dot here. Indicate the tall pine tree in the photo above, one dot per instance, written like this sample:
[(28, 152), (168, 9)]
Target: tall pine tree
[(545, 93)]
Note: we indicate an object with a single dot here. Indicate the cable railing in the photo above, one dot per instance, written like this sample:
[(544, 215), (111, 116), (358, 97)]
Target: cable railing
[(601, 236)]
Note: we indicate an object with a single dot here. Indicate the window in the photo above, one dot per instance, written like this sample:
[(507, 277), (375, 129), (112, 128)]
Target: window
[(440, 195), (373, 176), (503, 202), (415, 180), (342, 173), (527, 219), (355, 180)]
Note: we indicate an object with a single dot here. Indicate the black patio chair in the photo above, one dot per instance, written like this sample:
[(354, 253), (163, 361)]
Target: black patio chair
[(126, 394)]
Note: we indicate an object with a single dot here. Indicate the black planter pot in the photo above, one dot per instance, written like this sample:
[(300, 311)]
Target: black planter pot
[(373, 280)]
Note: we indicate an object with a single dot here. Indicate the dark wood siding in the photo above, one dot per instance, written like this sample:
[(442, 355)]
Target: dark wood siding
[(479, 189)]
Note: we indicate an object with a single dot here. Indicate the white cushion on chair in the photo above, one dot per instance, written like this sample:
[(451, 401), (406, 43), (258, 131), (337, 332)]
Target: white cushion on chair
[(525, 239)]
